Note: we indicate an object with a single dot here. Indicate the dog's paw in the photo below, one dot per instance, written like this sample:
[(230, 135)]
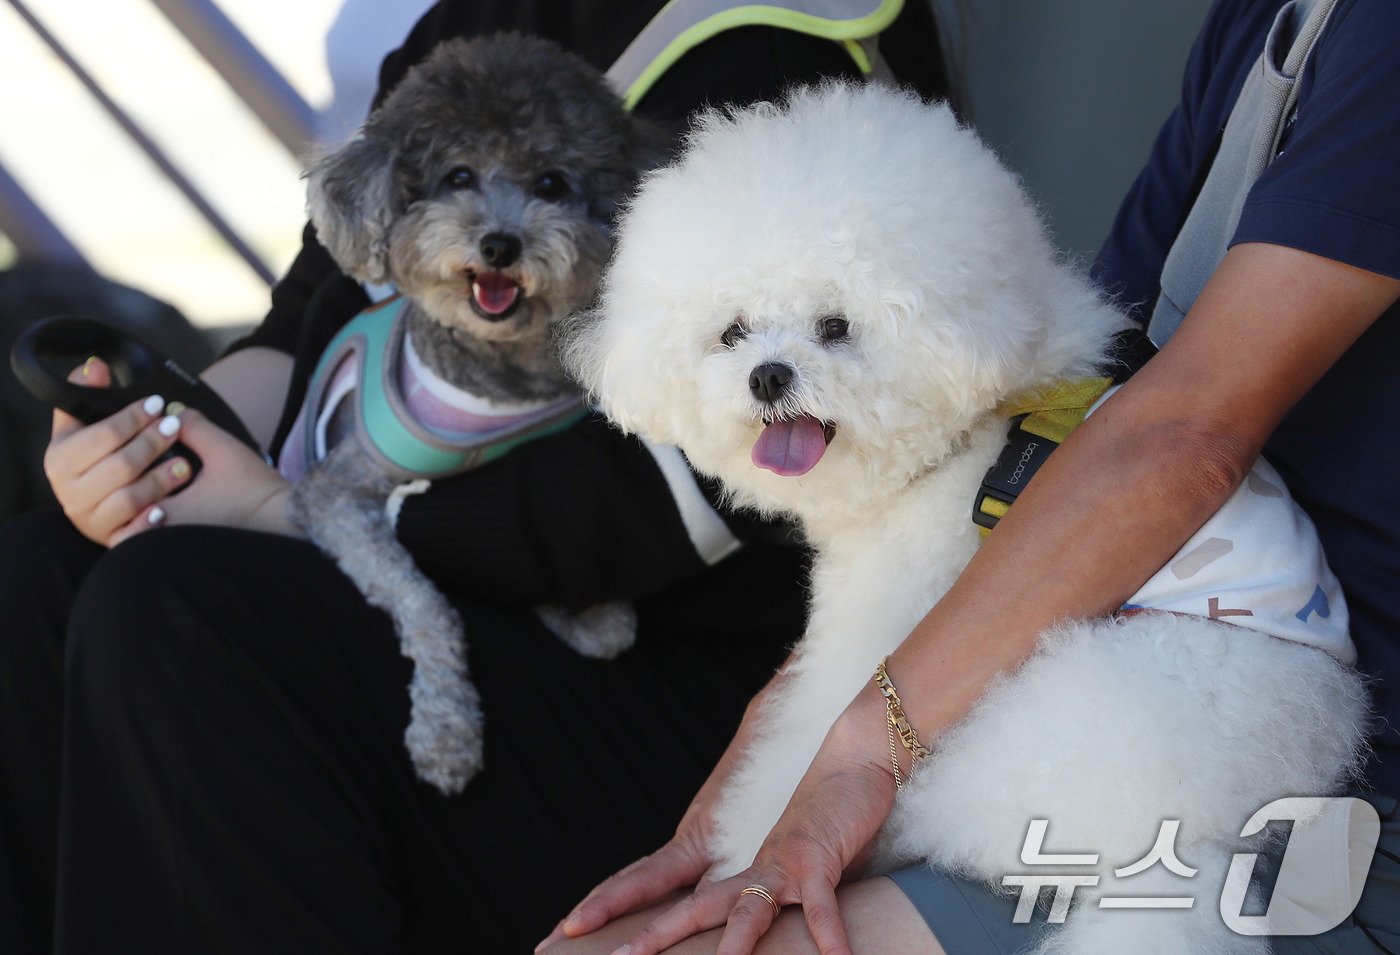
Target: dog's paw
[(600, 632), (444, 736)]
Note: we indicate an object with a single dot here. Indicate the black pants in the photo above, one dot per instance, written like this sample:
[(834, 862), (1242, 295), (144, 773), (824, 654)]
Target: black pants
[(229, 719)]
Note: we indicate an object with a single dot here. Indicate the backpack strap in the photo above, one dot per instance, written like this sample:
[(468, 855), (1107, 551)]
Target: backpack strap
[(1257, 122), (682, 25)]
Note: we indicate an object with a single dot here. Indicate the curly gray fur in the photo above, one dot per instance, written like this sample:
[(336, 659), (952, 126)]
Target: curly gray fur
[(393, 205)]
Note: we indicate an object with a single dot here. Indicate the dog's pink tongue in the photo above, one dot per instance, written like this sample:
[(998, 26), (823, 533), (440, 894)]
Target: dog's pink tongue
[(494, 292), (790, 447)]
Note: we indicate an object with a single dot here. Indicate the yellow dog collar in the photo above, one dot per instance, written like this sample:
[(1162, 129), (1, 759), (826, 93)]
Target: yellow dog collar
[(1040, 422)]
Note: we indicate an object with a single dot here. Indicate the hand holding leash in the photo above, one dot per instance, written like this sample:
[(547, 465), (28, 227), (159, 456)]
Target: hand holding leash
[(102, 473), (237, 487)]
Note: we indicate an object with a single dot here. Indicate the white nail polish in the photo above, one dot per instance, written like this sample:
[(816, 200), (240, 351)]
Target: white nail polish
[(155, 515), (168, 426), (153, 404)]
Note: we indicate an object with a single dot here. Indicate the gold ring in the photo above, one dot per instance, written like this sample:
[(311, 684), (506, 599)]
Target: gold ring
[(763, 894)]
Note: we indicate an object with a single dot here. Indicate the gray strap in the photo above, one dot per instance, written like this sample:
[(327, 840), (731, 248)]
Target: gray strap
[(709, 534), (678, 16), (1249, 144)]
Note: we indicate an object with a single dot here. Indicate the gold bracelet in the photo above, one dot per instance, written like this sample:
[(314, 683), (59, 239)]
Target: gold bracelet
[(898, 724)]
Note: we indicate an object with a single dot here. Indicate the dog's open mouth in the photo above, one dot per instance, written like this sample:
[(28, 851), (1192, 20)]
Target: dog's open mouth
[(495, 295), (792, 446)]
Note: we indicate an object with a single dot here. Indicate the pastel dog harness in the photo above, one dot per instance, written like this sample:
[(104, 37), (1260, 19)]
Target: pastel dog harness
[(414, 423)]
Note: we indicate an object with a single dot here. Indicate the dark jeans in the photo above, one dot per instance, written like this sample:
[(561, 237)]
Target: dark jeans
[(229, 719)]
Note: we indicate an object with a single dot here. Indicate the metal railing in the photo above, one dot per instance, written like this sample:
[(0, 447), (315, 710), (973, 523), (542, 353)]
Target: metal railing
[(33, 233), (253, 79), (246, 71)]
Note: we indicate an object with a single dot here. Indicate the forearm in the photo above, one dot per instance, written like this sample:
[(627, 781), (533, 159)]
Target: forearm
[(254, 383), (1122, 495), (1105, 513)]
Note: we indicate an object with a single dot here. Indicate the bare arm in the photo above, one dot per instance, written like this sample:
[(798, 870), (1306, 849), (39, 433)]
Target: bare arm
[(1132, 485), (254, 382)]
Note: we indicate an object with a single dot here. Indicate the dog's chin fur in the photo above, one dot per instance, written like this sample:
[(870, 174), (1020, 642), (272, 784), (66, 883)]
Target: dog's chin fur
[(867, 203), (433, 254), (451, 307)]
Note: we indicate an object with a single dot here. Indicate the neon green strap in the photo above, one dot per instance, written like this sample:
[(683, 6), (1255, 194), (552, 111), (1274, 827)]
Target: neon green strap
[(1056, 411), (683, 25), (1049, 414)]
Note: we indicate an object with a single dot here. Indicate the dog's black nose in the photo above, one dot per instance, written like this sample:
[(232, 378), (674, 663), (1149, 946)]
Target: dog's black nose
[(769, 380), (499, 250)]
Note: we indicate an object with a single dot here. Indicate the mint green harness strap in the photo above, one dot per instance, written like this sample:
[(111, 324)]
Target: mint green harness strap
[(373, 340)]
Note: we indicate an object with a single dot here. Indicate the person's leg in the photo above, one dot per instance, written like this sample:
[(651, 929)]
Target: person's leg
[(589, 764), (235, 775), (42, 562), (1373, 928), (878, 916), (225, 745)]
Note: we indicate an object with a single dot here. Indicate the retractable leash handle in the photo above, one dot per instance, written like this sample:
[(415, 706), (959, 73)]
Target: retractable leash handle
[(48, 351)]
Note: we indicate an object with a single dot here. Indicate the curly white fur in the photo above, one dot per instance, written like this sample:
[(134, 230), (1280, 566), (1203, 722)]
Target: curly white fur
[(869, 205)]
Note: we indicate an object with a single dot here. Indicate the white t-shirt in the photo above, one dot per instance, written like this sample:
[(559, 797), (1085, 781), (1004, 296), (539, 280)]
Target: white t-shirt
[(1256, 563)]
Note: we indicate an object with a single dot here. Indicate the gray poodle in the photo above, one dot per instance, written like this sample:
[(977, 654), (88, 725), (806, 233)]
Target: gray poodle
[(484, 189)]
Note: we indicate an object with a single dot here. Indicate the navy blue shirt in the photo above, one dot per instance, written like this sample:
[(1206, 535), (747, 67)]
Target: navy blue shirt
[(1333, 190)]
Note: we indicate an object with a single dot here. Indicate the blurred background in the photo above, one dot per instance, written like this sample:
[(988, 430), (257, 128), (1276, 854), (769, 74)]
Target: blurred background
[(150, 150)]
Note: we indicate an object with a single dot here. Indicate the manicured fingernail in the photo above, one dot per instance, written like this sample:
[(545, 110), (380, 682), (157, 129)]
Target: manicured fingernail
[(180, 469), (175, 407), (153, 404), (87, 365), (155, 516), (624, 950), (553, 937), (168, 426)]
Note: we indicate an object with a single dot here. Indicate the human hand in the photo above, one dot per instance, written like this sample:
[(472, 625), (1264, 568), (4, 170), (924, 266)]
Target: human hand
[(235, 487), (101, 473), (683, 861), (825, 832)]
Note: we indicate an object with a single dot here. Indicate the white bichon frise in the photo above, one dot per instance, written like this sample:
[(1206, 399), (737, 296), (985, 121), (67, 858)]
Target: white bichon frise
[(831, 306)]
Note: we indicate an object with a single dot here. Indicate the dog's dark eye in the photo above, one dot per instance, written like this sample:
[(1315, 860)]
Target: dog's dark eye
[(732, 335), (551, 185), (834, 329), (459, 178)]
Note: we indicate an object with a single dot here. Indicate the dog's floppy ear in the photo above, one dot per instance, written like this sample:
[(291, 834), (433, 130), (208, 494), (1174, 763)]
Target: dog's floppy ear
[(616, 358), (644, 146), (353, 198)]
